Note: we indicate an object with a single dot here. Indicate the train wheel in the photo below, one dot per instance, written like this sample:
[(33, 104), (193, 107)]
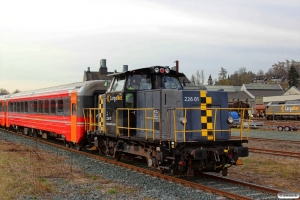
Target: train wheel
[(287, 128), (67, 144), (224, 171), (78, 147), (34, 133), (280, 128), (102, 151), (117, 155)]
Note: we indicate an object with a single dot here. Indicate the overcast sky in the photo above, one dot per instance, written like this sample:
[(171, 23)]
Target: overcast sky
[(48, 43)]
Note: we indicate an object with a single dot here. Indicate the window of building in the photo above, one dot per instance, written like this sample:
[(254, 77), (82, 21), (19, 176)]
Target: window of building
[(46, 108), (53, 106)]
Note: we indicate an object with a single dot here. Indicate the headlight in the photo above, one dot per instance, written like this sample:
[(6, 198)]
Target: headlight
[(156, 69), (167, 70), (230, 120)]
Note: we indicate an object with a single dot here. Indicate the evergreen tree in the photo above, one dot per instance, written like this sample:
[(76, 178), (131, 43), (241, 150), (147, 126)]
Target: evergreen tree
[(293, 77)]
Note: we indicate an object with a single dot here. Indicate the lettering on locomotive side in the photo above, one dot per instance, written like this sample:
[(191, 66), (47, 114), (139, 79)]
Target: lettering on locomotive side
[(195, 99), (109, 98), (289, 108)]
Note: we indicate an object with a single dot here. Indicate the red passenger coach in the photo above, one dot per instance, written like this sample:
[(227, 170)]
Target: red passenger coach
[(52, 112)]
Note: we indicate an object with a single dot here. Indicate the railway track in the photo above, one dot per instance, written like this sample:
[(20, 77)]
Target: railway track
[(269, 140), (275, 152), (232, 189)]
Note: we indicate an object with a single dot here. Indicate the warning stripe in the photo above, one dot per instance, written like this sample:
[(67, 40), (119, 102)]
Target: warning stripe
[(206, 115), (101, 107)]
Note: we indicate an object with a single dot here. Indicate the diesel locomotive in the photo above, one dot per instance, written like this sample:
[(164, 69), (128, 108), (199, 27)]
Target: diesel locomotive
[(283, 110), (144, 112)]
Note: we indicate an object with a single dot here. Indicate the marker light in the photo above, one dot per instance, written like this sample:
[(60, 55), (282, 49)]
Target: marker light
[(162, 70), (230, 120)]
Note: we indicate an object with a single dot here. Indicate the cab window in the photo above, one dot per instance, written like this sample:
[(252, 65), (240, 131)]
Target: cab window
[(118, 84)]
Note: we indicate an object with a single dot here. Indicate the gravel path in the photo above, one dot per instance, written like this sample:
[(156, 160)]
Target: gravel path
[(144, 187)]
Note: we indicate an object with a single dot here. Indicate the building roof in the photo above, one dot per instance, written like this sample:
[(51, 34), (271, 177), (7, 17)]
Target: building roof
[(266, 93), (238, 95), (226, 88), (263, 87)]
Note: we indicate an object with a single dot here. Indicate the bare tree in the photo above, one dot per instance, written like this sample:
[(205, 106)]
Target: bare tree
[(198, 78), (3, 91), (260, 73), (202, 76), (222, 74), (16, 91)]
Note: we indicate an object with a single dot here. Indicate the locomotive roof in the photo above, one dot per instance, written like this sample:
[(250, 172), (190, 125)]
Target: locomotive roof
[(147, 70)]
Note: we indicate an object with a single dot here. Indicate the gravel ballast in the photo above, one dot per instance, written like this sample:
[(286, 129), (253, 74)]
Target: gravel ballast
[(147, 187)]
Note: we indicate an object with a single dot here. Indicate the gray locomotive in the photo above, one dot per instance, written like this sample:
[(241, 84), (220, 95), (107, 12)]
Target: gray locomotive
[(147, 113)]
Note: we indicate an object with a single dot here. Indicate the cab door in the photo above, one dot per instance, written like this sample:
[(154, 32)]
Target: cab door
[(74, 116)]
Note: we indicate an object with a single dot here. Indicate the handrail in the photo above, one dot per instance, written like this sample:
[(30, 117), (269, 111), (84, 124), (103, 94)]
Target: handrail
[(150, 116)]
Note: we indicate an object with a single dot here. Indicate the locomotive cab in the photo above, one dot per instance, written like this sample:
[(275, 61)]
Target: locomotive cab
[(123, 94)]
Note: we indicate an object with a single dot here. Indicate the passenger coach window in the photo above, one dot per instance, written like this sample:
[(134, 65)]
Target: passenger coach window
[(21, 106), (18, 106), (26, 106), (34, 106), (10, 106), (67, 102), (40, 106), (60, 107), (14, 107), (46, 104), (53, 107)]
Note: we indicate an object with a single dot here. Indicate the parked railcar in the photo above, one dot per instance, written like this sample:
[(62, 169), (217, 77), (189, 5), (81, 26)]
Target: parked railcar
[(144, 112), (283, 110)]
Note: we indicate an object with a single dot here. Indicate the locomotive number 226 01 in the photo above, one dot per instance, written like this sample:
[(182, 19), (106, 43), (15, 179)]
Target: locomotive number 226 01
[(191, 98)]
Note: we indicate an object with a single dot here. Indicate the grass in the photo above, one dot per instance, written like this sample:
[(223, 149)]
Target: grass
[(275, 171), (25, 170), (28, 171)]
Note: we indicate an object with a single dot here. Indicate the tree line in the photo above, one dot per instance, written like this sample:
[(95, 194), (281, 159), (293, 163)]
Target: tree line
[(288, 69), (4, 91)]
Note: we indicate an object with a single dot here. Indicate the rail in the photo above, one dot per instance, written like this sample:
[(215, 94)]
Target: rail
[(176, 119)]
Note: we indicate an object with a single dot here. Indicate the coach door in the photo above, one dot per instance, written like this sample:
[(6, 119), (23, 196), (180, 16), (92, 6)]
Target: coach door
[(74, 116), (2, 113)]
